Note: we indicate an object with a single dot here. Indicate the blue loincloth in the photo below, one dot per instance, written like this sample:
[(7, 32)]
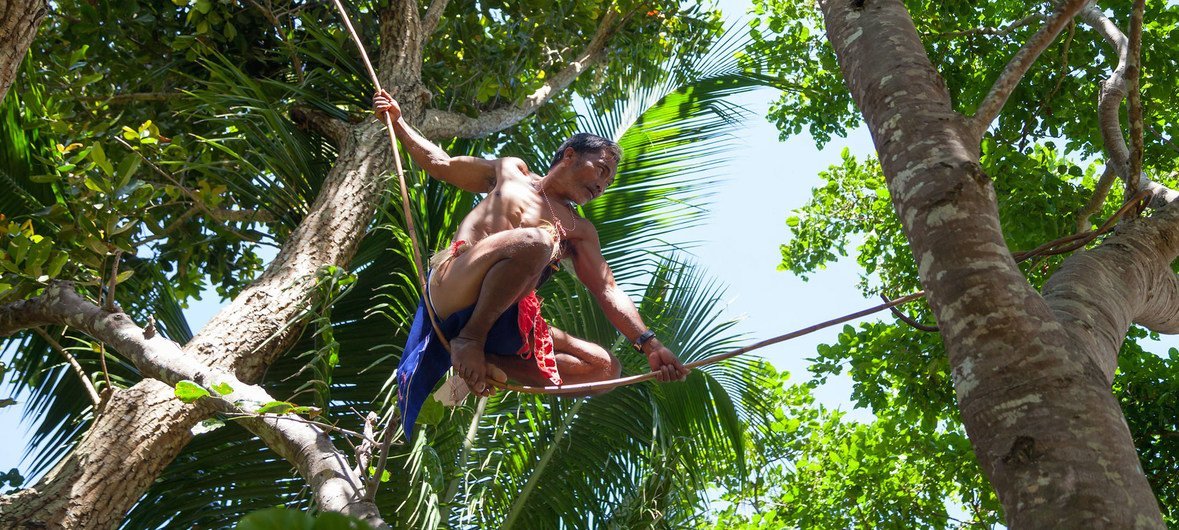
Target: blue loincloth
[(425, 360)]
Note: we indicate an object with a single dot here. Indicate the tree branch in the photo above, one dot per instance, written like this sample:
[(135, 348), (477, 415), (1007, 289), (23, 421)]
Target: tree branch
[(306, 446), (999, 32), (989, 109), (1100, 192), (1109, 104), (430, 21), (443, 124), (134, 97), (330, 127), (1098, 293)]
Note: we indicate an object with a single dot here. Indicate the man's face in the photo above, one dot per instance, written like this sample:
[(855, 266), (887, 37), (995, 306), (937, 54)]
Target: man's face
[(593, 172)]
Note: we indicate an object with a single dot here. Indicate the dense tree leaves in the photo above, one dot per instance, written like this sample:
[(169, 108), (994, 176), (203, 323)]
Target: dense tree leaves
[(1044, 155)]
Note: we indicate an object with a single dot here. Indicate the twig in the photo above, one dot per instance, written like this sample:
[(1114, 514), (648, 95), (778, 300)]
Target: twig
[(468, 443), (906, 318), (299, 419), (105, 374), (86, 382), (386, 441), (1000, 32), (118, 99), (191, 194), (989, 109), (296, 64), (112, 281), (1100, 192)]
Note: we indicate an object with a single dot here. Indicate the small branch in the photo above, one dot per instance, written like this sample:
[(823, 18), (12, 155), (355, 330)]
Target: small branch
[(1113, 91), (86, 382), (382, 460), (999, 32), (443, 124), (135, 97), (430, 21), (1134, 101), (1085, 216), (112, 281), (906, 318), (328, 126), (214, 214), (296, 64), (989, 109)]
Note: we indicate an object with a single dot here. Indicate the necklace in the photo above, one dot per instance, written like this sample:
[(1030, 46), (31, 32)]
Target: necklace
[(557, 220)]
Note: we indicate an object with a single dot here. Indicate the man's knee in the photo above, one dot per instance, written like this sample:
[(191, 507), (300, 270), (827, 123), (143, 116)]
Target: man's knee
[(531, 244)]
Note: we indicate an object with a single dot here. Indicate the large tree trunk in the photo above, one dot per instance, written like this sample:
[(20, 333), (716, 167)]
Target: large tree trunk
[(18, 24), (1035, 397)]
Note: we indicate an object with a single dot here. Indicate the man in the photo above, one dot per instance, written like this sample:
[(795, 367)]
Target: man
[(482, 287)]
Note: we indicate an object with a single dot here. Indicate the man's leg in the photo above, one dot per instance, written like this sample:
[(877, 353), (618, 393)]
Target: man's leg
[(578, 361), (492, 275)]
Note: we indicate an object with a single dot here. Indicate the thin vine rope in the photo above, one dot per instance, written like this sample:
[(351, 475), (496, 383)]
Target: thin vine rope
[(1077, 241), (413, 233)]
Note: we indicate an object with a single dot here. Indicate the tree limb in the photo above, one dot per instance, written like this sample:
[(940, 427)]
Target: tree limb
[(1113, 90), (443, 124), (989, 109), (1098, 293), (999, 32), (306, 446), (430, 21), (330, 127), (1100, 192)]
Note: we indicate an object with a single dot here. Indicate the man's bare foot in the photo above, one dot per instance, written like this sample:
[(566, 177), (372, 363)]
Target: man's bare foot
[(469, 361)]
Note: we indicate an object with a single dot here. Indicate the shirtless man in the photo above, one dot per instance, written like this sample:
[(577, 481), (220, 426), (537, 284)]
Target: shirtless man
[(514, 235)]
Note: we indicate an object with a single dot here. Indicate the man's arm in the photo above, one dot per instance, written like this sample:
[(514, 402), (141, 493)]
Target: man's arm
[(595, 274), (466, 172)]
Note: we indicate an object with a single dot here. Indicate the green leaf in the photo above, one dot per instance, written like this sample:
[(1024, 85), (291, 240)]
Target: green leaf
[(188, 391), (223, 389), (275, 407)]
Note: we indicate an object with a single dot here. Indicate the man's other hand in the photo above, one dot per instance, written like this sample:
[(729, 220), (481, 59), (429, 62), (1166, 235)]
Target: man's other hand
[(384, 103), (664, 363)]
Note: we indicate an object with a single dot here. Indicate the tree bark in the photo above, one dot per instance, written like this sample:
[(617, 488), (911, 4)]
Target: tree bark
[(1035, 400), (18, 24)]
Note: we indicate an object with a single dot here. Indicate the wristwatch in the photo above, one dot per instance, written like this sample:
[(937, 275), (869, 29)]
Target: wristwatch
[(642, 339)]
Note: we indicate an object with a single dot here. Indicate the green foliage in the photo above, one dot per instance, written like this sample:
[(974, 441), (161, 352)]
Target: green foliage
[(189, 392), (11, 478), (1039, 155), (288, 519)]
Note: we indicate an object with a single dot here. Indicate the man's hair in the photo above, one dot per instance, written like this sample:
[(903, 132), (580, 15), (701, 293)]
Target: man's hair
[(583, 143)]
